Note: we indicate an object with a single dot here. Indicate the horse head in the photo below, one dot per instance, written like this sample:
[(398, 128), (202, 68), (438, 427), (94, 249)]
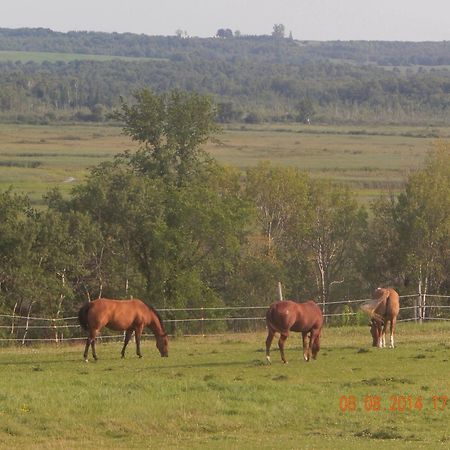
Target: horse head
[(375, 332), (162, 343)]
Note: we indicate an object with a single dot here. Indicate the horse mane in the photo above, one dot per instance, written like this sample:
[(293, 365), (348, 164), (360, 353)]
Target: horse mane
[(157, 315)]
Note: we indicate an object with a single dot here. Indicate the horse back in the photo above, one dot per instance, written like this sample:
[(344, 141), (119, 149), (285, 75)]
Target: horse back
[(287, 315), (389, 303), (393, 308), (118, 314)]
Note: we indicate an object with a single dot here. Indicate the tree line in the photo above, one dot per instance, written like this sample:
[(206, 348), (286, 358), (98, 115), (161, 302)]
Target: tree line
[(251, 78), (168, 224)]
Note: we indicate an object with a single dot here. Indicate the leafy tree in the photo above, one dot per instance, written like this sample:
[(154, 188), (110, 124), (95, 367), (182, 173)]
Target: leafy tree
[(16, 233), (169, 206), (227, 113), (279, 195), (409, 235), (385, 259), (304, 111), (424, 221), (224, 33), (278, 31), (280, 198), (330, 234), (69, 250), (171, 128)]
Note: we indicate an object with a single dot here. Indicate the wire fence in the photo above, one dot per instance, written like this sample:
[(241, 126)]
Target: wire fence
[(205, 321)]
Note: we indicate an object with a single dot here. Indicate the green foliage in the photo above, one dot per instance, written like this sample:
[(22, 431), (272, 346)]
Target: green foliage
[(412, 232), (167, 210), (304, 111), (171, 127), (266, 77), (170, 225)]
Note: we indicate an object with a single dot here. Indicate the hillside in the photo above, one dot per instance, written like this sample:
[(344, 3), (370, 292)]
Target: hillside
[(47, 76)]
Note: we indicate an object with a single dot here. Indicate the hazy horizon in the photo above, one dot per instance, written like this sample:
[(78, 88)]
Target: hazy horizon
[(321, 20)]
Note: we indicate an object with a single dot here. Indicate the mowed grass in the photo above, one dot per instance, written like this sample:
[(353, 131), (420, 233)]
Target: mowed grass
[(34, 159), (218, 392)]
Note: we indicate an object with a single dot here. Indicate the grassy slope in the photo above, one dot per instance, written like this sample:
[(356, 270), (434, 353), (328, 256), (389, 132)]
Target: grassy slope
[(217, 392), (369, 160)]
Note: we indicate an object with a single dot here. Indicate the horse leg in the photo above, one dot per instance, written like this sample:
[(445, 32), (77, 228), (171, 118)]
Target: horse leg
[(305, 345), (281, 342), (86, 349), (314, 343), (90, 342), (380, 335), (383, 334), (93, 336), (137, 335), (268, 344), (128, 335), (392, 330)]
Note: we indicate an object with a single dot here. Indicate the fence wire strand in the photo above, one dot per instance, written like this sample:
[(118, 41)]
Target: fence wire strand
[(55, 328)]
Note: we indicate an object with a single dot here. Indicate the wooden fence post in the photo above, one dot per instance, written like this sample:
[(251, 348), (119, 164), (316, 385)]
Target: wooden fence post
[(280, 291)]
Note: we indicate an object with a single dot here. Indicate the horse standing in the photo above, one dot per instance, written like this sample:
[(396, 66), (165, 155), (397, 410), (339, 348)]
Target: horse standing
[(285, 316), (384, 308), (121, 315)]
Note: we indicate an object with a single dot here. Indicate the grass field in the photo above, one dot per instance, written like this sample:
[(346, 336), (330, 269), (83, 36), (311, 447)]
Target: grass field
[(34, 159), (218, 392), (40, 57)]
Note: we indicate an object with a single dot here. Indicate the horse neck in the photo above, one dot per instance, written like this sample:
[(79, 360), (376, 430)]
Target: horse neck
[(156, 326)]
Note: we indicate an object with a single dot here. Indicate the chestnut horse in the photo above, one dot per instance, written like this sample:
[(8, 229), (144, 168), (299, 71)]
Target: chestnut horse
[(386, 310), (285, 316), (121, 315)]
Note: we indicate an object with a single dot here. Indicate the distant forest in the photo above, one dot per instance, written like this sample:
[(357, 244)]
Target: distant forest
[(250, 78)]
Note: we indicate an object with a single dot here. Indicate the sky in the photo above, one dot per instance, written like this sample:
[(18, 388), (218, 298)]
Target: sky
[(388, 20)]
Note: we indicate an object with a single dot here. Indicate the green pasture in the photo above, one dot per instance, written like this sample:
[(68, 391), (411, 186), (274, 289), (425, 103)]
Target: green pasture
[(40, 57), (373, 160), (218, 392)]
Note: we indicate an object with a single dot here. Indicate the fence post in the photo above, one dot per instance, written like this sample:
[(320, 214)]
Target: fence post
[(13, 318), (55, 328), (27, 323), (280, 291), (421, 309), (202, 322)]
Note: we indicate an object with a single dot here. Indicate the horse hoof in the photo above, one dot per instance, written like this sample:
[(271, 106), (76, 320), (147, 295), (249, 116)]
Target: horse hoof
[(86, 360), (285, 362), (268, 360)]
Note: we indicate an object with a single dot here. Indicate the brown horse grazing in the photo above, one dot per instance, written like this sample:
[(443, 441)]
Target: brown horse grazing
[(386, 308), (120, 315), (285, 316)]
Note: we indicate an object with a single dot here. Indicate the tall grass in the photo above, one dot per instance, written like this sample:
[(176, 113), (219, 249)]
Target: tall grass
[(34, 159)]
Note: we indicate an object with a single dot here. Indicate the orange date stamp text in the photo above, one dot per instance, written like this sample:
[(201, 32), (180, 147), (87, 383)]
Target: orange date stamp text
[(397, 402)]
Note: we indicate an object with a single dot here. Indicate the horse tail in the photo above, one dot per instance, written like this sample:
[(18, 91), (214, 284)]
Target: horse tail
[(387, 313), (316, 344), (269, 320), (83, 316)]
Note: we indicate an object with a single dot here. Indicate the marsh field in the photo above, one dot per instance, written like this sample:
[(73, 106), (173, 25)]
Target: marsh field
[(371, 160), (218, 392)]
